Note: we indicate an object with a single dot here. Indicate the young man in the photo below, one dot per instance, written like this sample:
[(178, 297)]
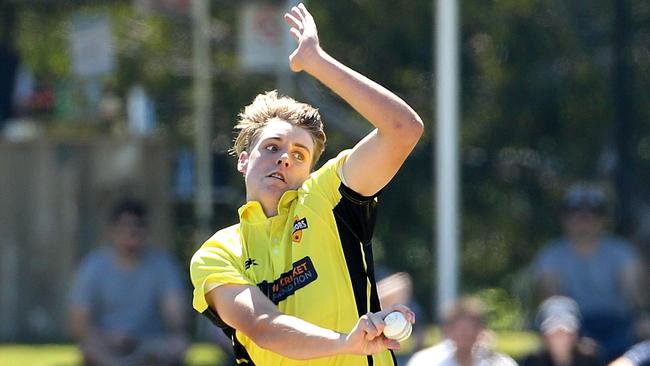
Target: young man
[(126, 305), (294, 279)]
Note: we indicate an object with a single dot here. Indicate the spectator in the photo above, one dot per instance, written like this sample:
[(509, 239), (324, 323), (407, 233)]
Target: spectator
[(127, 299), (638, 355), (603, 273), (467, 341), (559, 325)]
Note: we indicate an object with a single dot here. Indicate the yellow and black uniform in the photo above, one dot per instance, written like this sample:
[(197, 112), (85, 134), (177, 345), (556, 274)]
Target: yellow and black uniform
[(313, 260)]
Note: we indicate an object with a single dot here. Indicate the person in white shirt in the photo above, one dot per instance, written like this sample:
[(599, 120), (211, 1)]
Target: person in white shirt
[(467, 340)]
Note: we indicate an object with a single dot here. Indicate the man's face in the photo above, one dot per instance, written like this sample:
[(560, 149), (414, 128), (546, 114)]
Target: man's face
[(128, 233), (583, 222), (280, 160), (559, 342), (464, 332)]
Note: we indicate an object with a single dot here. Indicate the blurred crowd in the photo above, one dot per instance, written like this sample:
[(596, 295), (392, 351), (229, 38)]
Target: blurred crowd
[(604, 274), (591, 287), (128, 303)]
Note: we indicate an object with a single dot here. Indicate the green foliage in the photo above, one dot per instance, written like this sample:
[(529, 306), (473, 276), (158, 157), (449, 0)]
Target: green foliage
[(42, 43), (504, 311), (537, 104), (517, 344)]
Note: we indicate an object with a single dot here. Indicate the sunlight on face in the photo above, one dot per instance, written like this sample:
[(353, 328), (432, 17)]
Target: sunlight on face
[(279, 160)]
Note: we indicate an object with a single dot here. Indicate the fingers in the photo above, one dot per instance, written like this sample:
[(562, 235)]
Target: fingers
[(303, 11), (377, 325), (292, 21), (295, 34), (368, 326), (408, 313), (296, 26), (301, 16), (298, 13), (374, 328), (391, 343), (297, 19)]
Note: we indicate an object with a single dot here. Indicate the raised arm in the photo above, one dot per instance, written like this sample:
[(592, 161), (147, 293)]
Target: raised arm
[(246, 309), (376, 158)]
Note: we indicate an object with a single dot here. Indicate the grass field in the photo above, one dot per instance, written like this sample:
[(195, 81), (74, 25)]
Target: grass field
[(203, 354)]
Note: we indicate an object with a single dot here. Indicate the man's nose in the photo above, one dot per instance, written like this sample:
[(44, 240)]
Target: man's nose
[(284, 160)]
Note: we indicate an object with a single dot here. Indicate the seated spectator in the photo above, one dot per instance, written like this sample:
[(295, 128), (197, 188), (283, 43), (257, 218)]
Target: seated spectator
[(603, 273), (638, 355), (559, 324), (127, 303), (467, 341)]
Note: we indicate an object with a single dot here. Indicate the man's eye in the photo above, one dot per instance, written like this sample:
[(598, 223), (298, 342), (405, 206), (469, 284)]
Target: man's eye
[(272, 148), (298, 156)]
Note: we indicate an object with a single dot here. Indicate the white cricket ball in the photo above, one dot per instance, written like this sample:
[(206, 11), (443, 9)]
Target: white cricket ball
[(397, 327)]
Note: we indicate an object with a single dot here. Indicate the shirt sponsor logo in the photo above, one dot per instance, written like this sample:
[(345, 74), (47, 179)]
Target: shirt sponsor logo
[(298, 226), (302, 274)]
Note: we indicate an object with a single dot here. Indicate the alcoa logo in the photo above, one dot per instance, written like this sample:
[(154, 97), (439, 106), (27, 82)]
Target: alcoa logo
[(298, 226)]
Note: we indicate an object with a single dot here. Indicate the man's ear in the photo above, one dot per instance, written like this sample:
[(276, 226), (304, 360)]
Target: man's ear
[(242, 162)]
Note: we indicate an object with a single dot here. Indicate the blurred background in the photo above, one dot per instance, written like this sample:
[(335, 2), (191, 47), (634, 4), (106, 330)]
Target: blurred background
[(101, 99)]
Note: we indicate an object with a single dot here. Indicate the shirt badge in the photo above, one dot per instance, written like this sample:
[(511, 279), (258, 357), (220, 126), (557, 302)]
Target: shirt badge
[(298, 226)]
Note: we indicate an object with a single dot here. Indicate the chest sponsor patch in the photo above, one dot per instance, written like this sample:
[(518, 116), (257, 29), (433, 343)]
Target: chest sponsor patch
[(298, 226), (302, 274)]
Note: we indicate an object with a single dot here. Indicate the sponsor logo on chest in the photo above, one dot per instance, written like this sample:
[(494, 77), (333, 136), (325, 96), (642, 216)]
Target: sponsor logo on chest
[(300, 275), (298, 226)]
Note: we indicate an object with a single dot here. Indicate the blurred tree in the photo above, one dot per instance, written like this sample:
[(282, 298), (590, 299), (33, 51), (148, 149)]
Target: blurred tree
[(538, 108)]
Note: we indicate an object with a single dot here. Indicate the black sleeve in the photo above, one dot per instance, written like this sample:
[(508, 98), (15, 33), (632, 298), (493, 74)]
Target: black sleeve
[(355, 220), (357, 213)]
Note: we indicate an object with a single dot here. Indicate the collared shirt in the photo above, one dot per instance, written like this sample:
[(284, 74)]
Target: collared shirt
[(592, 280), (443, 354), (313, 260), (126, 300)]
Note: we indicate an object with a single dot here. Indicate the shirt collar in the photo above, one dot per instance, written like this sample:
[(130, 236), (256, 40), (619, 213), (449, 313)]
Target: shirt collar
[(252, 211)]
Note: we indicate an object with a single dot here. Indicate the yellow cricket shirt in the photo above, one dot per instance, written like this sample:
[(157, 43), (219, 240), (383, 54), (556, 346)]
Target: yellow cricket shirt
[(313, 260)]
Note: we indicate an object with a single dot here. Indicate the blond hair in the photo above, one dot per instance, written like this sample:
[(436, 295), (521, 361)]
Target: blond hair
[(270, 105)]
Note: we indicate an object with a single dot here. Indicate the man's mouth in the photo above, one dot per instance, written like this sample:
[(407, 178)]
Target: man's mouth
[(277, 175)]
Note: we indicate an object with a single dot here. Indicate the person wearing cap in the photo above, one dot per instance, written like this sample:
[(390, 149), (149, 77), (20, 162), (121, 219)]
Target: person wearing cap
[(558, 320), (602, 272), (467, 340)]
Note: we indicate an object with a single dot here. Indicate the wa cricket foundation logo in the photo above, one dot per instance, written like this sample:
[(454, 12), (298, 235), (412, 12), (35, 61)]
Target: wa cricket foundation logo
[(300, 275), (298, 226)]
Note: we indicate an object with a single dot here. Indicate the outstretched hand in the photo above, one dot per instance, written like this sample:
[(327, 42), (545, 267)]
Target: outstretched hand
[(303, 29), (367, 337)]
